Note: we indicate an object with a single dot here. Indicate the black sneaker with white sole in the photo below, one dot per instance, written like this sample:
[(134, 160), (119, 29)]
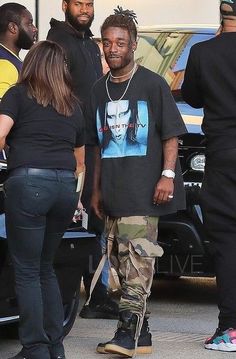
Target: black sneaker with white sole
[(144, 345)]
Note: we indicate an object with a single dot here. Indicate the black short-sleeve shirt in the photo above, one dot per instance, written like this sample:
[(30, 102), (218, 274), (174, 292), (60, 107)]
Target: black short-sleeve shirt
[(130, 133), (40, 136)]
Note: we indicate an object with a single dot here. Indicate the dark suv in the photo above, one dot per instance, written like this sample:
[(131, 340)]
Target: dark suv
[(165, 50)]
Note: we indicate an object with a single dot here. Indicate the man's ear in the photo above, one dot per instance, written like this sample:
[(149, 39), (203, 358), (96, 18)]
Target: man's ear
[(64, 6), (12, 27), (134, 45)]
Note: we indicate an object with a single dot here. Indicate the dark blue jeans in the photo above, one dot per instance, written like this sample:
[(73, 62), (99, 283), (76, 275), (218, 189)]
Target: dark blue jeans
[(39, 207)]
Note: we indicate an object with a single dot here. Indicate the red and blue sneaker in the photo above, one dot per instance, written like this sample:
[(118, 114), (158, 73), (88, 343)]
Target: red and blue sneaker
[(222, 340)]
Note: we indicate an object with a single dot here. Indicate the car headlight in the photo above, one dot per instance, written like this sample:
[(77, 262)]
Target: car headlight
[(197, 163)]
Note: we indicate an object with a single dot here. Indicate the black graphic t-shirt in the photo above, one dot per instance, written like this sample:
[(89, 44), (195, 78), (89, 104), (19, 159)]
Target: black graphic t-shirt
[(130, 131)]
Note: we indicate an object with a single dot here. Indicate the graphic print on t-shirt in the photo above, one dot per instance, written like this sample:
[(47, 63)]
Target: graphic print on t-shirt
[(123, 129)]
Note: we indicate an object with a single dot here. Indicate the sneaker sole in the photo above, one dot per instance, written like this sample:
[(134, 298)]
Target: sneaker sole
[(224, 347), (116, 349), (139, 350), (144, 350)]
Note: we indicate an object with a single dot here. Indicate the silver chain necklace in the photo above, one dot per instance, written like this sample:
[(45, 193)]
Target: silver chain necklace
[(126, 89), (122, 76)]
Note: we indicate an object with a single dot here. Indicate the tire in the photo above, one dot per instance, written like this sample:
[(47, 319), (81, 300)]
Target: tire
[(71, 310), (9, 331)]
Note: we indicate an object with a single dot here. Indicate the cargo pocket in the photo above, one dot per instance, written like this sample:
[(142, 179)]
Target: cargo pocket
[(140, 232), (146, 248)]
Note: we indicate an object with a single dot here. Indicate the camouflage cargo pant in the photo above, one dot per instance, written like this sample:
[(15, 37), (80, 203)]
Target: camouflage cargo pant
[(132, 248)]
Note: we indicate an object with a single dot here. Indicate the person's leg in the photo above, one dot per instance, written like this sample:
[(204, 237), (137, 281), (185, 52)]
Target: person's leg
[(105, 270), (99, 294), (134, 254), (58, 219), (137, 250), (25, 228), (52, 302), (219, 208), (101, 305)]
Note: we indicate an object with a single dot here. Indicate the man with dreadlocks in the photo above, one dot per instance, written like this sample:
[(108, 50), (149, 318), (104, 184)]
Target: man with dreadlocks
[(133, 188), (210, 82)]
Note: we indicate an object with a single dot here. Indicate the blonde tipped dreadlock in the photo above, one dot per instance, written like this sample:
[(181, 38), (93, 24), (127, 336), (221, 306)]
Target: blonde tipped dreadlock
[(126, 19), (129, 13)]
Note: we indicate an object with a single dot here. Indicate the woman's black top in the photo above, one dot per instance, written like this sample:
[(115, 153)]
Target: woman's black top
[(40, 136)]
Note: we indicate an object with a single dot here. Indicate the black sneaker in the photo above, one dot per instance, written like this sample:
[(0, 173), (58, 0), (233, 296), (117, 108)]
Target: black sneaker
[(142, 348), (144, 345), (123, 342), (107, 310)]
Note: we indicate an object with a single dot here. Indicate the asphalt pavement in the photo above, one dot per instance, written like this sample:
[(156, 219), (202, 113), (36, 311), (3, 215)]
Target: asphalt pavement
[(183, 315)]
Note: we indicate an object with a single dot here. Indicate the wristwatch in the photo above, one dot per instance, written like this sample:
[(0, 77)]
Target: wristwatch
[(168, 173)]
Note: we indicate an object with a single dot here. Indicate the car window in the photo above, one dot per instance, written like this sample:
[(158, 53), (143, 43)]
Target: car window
[(166, 53)]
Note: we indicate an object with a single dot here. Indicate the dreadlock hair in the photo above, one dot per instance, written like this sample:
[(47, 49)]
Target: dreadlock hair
[(125, 19)]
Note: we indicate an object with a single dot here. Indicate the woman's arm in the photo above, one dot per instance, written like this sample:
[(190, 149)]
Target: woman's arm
[(6, 124), (79, 153)]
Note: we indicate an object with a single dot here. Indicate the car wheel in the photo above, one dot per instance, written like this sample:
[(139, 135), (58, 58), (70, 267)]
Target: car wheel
[(71, 310), (9, 331)]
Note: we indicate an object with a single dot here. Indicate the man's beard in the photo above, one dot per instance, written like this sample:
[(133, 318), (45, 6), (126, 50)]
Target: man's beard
[(74, 21), (24, 40)]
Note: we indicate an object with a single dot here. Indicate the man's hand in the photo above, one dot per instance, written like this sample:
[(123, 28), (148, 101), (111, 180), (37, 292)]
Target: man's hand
[(96, 204), (165, 186), (163, 191)]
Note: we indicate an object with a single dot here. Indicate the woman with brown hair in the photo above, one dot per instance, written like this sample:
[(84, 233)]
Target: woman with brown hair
[(42, 123)]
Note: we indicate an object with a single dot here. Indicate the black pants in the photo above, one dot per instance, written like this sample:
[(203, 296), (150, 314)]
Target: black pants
[(39, 207), (218, 201)]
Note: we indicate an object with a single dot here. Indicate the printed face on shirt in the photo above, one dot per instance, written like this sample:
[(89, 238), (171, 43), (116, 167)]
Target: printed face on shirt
[(79, 14), (118, 47), (27, 32), (118, 116), (122, 129)]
